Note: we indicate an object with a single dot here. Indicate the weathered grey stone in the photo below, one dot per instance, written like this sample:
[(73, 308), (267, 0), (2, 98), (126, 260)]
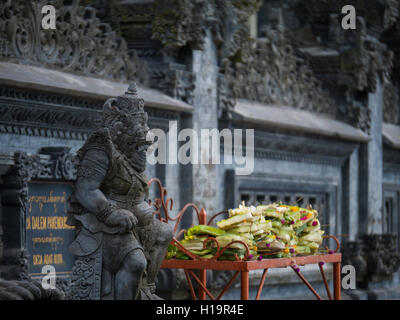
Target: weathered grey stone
[(391, 135)]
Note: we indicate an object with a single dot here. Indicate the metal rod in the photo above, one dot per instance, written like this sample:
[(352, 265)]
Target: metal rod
[(203, 279), (307, 284), (328, 291), (190, 285), (201, 284), (244, 285), (260, 287), (336, 280), (228, 285)]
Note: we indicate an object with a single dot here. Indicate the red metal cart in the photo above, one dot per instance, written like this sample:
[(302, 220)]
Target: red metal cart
[(242, 266)]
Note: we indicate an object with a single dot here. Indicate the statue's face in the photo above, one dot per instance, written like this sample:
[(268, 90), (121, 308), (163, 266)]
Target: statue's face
[(133, 142)]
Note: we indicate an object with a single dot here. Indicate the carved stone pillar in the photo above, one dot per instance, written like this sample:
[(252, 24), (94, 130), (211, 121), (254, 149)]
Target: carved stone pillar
[(372, 169), (205, 176)]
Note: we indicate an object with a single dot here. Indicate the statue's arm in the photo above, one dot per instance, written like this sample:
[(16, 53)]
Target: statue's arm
[(91, 174)]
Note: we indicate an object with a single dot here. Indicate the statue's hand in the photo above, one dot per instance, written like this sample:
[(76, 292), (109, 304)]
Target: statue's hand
[(123, 219), (144, 213)]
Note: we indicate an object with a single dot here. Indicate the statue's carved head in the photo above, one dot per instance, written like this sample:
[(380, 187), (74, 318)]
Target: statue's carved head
[(126, 119)]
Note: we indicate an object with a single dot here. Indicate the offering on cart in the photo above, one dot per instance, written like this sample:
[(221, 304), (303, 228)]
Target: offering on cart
[(269, 231)]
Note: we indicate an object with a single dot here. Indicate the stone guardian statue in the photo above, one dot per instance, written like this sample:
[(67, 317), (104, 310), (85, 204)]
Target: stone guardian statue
[(119, 246)]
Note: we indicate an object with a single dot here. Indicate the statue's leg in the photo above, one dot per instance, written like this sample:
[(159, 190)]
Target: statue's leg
[(162, 236), (128, 279)]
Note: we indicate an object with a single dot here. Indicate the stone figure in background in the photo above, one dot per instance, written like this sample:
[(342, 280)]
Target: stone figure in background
[(119, 246)]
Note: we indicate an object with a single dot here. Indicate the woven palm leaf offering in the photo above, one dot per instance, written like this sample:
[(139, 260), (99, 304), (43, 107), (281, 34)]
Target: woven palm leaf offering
[(295, 231), (269, 231)]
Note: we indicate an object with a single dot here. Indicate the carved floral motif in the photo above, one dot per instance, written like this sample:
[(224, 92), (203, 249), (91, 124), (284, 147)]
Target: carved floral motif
[(80, 43), (36, 167)]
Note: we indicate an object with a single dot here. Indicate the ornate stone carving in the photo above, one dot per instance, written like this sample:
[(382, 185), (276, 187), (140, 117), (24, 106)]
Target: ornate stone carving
[(61, 165), (381, 14), (85, 278), (355, 113), (390, 103), (24, 259), (381, 256), (273, 74), (179, 84), (365, 60), (80, 42), (349, 62), (180, 22), (375, 257)]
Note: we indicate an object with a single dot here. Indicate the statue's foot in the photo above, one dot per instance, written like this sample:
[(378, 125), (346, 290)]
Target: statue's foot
[(147, 294)]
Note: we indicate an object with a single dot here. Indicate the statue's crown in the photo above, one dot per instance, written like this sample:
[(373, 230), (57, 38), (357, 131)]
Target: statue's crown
[(130, 102)]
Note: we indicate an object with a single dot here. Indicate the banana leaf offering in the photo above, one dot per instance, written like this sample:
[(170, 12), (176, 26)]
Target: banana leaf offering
[(194, 242), (270, 231)]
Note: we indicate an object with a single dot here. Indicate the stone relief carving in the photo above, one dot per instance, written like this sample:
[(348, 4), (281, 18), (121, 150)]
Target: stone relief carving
[(390, 103), (60, 165), (374, 256), (365, 60), (354, 60), (80, 43), (381, 256), (273, 74), (180, 22), (179, 84), (355, 113)]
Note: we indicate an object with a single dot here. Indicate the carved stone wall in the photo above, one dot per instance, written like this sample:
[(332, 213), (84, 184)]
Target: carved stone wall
[(349, 62), (303, 58), (273, 74), (80, 43), (157, 31), (31, 113)]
